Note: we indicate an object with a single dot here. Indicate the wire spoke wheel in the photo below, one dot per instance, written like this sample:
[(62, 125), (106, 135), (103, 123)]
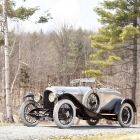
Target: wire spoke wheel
[(25, 117), (92, 102), (92, 121), (29, 118), (126, 115), (64, 113)]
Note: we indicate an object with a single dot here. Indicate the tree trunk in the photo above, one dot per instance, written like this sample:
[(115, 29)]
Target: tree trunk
[(3, 87), (7, 82), (134, 72), (65, 65), (134, 77)]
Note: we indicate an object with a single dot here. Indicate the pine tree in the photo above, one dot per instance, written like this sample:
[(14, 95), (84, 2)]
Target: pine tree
[(120, 26)]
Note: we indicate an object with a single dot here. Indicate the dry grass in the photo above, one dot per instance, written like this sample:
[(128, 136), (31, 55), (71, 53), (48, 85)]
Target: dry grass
[(114, 137)]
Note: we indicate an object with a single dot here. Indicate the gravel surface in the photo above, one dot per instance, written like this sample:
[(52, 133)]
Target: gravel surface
[(46, 132)]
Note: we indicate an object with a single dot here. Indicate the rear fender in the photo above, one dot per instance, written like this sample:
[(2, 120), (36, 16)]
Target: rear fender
[(131, 103), (122, 101)]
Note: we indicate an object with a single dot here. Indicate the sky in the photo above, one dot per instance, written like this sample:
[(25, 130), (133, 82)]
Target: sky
[(78, 13)]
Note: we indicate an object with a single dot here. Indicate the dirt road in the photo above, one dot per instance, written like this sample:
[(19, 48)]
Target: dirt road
[(47, 132)]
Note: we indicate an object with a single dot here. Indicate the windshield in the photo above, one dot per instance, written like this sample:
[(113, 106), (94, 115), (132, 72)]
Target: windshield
[(83, 82)]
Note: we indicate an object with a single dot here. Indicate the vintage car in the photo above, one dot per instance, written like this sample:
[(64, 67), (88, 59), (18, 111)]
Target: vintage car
[(85, 99)]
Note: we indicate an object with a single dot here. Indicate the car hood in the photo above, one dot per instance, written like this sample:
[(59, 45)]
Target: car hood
[(71, 90)]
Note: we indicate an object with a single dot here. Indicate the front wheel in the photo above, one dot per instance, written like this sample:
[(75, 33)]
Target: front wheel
[(25, 108), (64, 113), (126, 115), (92, 122)]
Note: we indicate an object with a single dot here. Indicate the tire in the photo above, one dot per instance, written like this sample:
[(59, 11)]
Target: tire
[(126, 115), (96, 107), (27, 106), (92, 122), (65, 111)]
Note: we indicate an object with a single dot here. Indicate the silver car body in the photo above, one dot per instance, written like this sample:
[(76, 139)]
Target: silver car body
[(78, 92), (105, 94)]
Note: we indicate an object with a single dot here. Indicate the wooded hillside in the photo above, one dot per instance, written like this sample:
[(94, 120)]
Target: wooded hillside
[(57, 57), (65, 53)]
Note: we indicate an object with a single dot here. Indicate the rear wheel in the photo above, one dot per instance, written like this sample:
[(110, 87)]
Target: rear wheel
[(25, 108), (64, 113), (92, 122), (126, 115)]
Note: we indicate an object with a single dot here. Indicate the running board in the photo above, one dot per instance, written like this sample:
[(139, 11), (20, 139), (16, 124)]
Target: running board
[(105, 114)]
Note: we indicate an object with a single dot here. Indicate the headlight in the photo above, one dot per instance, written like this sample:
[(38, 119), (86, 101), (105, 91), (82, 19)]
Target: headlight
[(37, 97), (51, 97)]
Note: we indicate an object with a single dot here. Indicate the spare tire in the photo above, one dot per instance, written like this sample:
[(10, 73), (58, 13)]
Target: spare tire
[(91, 101)]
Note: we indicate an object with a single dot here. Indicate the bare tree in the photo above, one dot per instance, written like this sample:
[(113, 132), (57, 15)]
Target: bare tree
[(3, 86), (6, 51)]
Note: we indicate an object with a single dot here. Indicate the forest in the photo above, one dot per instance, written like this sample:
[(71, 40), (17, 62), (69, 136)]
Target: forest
[(66, 53)]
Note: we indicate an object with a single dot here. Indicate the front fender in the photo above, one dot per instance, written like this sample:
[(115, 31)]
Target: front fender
[(122, 101), (78, 104), (29, 95), (70, 97)]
